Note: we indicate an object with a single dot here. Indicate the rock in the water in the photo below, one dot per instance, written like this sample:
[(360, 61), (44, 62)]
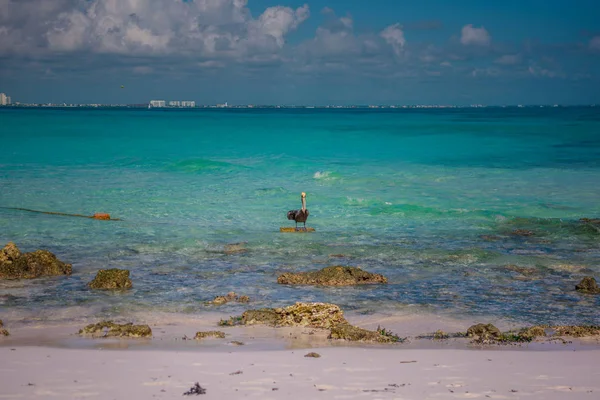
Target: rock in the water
[(9, 253), (113, 278), (229, 297), (588, 285), (110, 329), (215, 334), (332, 276), (17, 265), (314, 315), (3, 332), (356, 334), (483, 333)]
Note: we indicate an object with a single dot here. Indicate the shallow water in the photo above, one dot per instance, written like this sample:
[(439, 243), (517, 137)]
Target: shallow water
[(428, 198)]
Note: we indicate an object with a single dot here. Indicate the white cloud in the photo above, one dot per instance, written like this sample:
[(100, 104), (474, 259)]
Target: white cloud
[(595, 43), (394, 36), (508, 59), (144, 27), (474, 36)]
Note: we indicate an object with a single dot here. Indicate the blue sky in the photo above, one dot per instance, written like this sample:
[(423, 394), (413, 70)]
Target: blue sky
[(301, 52)]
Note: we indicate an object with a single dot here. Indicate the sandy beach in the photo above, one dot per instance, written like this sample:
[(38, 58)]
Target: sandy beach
[(54, 363)]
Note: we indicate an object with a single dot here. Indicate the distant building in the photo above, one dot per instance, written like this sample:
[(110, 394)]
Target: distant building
[(174, 103), (188, 104), (158, 103), (4, 100)]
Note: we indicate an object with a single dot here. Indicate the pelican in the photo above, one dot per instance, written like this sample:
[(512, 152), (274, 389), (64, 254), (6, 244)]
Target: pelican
[(299, 215)]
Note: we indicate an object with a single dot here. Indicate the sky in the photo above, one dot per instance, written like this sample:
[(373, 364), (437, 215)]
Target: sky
[(310, 52)]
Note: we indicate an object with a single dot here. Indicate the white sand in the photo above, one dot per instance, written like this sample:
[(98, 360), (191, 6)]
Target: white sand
[(340, 373)]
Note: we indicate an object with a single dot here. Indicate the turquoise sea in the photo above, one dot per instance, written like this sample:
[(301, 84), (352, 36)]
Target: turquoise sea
[(428, 197)]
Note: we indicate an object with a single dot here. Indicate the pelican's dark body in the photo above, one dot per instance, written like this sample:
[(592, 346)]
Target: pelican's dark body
[(298, 215)]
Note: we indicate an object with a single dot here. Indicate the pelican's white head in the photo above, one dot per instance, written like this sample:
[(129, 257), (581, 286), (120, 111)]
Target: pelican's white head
[(303, 195)]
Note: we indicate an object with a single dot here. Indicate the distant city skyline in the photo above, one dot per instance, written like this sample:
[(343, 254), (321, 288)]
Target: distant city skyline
[(301, 52)]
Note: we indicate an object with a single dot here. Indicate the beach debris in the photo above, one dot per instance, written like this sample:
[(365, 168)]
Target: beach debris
[(229, 297), (17, 265), (208, 334), (196, 389), (312, 315), (237, 372), (588, 285), (113, 278), (312, 354), (332, 276), (237, 343), (408, 362), (3, 332), (106, 329)]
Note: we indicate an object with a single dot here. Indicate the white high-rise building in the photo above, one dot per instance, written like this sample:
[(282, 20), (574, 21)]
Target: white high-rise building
[(158, 103), (188, 104), (174, 103), (4, 99)]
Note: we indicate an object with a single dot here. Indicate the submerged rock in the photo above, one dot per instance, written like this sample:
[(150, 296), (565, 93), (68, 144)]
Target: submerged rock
[(229, 297), (522, 232), (207, 334), (110, 329), (588, 285), (3, 332), (332, 276), (17, 265), (113, 278)]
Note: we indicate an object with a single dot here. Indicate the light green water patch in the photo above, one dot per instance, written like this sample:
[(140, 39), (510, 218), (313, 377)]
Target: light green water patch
[(203, 165)]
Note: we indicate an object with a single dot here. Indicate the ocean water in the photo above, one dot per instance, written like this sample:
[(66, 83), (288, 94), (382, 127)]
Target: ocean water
[(429, 198)]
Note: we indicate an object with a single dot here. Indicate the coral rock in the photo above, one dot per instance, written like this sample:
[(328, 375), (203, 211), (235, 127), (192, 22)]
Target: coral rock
[(215, 334), (483, 333), (231, 296), (111, 279), (588, 285), (110, 329), (332, 276), (17, 265), (356, 334)]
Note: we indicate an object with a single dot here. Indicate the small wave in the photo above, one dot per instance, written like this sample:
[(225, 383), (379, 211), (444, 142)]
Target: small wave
[(321, 175)]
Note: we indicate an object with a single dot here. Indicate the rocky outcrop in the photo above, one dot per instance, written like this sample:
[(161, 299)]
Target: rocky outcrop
[(106, 329), (332, 276), (17, 265), (113, 278), (229, 297), (3, 332), (208, 334), (312, 315), (484, 333), (356, 334), (588, 285)]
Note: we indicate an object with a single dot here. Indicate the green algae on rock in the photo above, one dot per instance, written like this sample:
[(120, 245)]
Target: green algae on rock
[(113, 278), (332, 276), (110, 329), (229, 297), (17, 265), (208, 334), (356, 334), (588, 285)]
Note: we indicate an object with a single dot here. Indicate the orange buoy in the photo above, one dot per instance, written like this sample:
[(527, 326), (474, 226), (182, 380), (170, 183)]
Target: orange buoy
[(103, 216)]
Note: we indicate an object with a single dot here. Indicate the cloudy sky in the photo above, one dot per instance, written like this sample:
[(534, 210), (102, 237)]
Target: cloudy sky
[(301, 51)]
